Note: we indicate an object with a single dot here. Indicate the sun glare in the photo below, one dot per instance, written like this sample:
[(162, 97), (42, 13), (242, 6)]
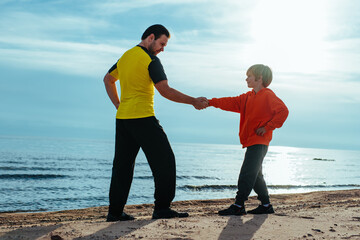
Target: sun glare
[(290, 33)]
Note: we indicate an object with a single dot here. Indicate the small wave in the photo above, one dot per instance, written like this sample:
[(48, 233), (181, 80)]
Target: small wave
[(39, 189), (197, 177), (21, 159), (41, 169), (31, 176), (181, 177), (14, 168), (141, 164), (312, 186), (208, 187), (234, 187), (77, 199), (144, 177), (64, 158), (324, 159)]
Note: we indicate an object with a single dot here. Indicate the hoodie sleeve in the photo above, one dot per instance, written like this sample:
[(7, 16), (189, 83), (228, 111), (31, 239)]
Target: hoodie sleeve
[(280, 112), (232, 104)]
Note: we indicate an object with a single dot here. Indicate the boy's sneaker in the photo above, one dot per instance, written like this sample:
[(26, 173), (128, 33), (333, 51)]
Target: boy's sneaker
[(168, 213), (262, 210), (233, 210), (123, 217)]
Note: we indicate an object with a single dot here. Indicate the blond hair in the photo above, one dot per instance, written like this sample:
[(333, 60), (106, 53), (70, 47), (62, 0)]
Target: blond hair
[(259, 70)]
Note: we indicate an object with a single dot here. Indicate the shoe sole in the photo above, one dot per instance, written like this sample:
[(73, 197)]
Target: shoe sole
[(270, 212)]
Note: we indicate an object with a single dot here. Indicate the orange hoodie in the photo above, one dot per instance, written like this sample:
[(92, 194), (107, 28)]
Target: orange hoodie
[(261, 109)]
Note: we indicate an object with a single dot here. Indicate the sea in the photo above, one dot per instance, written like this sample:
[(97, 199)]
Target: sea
[(51, 174)]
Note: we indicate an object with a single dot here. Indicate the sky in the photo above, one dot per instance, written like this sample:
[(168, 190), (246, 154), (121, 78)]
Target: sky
[(54, 55)]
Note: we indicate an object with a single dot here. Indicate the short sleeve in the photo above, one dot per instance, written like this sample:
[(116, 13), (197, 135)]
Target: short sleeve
[(113, 71), (156, 70)]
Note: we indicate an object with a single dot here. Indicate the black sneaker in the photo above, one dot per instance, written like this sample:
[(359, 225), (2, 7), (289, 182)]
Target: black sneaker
[(168, 213), (233, 210), (123, 217), (262, 210)]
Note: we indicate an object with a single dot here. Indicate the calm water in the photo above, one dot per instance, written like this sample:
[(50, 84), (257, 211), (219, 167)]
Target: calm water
[(44, 174)]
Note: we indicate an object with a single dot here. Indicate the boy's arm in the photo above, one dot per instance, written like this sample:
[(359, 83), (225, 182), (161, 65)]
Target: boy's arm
[(232, 104), (281, 112)]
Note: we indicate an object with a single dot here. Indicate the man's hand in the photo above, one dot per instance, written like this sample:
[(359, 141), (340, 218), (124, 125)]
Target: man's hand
[(200, 103), (261, 131)]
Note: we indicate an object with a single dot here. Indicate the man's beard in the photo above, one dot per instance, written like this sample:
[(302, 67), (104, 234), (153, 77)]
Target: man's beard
[(151, 48)]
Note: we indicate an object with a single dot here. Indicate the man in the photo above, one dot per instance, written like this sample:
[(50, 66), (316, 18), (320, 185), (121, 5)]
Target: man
[(139, 70)]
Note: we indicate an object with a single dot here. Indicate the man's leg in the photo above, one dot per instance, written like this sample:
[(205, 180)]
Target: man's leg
[(251, 166), (161, 159), (126, 150)]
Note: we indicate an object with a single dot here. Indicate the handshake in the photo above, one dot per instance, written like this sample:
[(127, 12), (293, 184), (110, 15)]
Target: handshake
[(200, 103)]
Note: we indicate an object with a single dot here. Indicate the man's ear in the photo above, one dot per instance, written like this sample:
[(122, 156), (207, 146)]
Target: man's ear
[(259, 78), (151, 37)]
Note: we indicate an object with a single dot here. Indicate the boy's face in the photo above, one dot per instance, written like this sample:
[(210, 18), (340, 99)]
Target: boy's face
[(250, 80), (254, 83)]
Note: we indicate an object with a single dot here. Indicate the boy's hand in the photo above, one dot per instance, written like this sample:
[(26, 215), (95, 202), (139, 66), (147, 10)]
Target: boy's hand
[(201, 103), (261, 131)]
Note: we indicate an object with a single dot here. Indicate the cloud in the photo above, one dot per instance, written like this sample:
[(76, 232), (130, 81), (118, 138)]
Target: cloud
[(45, 25), (66, 57), (115, 7), (227, 44)]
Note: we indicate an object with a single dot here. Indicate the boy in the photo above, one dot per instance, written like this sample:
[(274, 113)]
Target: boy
[(261, 111)]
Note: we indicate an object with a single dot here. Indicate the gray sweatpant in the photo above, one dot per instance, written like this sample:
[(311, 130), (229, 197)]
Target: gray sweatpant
[(251, 176)]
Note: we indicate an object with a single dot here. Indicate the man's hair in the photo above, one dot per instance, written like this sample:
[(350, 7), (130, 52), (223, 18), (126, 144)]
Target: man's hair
[(259, 70), (157, 30)]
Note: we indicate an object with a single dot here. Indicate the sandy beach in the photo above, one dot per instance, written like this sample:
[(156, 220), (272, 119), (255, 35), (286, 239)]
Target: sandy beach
[(315, 215)]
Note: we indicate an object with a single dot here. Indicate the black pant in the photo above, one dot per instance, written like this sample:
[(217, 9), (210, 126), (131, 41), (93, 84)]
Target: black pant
[(251, 176), (147, 134)]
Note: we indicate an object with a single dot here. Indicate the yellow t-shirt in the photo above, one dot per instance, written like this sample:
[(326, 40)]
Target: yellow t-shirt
[(137, 71)]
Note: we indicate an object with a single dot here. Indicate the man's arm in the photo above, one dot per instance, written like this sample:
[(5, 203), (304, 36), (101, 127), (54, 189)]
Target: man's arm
[(111, 89), (174, 95)]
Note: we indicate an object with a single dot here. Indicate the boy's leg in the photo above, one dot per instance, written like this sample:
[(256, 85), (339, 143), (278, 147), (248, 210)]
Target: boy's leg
[(161, 159), (261, 189), (126, 150), (263, 195), (251, 166)]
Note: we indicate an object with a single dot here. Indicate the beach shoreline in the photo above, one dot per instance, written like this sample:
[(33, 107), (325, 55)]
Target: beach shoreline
[(314, 215)]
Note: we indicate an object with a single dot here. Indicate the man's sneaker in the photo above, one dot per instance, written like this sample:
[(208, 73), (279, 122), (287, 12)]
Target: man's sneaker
[(233, 210), (262, 210), (123, 217), (168, 213)]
